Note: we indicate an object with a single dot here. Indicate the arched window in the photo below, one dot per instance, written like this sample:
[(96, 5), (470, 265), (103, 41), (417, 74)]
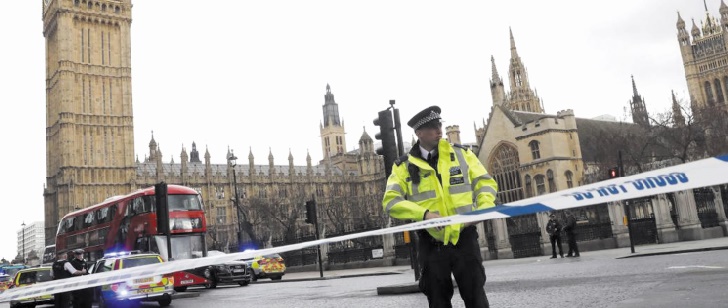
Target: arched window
[(529, 188), (534, 149), (552, 183), (540, 185), (569, 179), (503, 167), (718, 90), (709, 93)]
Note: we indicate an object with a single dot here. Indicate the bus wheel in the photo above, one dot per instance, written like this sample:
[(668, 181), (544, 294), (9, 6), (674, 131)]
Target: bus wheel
[(180, 289)]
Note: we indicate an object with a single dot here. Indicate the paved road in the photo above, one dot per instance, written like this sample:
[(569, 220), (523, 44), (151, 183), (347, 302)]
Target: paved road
[(680, 280), (696, 279)]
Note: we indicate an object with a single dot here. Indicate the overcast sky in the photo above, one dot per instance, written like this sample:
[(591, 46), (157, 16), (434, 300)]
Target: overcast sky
[(253, 74)]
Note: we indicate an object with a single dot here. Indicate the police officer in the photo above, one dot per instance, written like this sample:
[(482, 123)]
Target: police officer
[(437, 179), (60, 271), (569, 229), (81, 298), (553, 228)]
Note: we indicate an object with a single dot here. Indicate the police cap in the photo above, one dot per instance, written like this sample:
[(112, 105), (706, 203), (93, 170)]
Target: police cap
[(430, 114)]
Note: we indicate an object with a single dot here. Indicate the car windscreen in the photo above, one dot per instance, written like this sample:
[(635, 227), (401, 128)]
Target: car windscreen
[(34, 276), (134, 262)]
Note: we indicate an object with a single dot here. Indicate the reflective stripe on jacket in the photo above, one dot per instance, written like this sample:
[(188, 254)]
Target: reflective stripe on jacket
[(466, 186)]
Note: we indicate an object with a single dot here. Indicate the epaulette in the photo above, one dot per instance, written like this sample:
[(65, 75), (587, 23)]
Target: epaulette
[(401, 160)]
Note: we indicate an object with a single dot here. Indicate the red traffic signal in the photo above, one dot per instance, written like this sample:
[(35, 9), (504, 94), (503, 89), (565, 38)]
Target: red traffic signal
[(613, 173)]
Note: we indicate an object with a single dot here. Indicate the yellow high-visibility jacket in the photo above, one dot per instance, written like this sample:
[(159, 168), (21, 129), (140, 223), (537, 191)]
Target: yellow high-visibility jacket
[(466, 186)]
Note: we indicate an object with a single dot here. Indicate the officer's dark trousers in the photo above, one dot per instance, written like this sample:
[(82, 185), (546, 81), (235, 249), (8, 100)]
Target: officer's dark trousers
[(573, 249), (82, 298), (62, 300), (463, 260), (556, 241)]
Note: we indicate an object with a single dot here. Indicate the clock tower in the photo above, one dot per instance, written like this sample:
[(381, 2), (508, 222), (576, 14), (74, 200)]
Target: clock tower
[(89, 124)]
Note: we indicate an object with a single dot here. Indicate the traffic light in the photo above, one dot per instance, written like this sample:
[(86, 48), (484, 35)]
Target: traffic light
[(311, 212), (613, 172), (160, 196), (386, 135)]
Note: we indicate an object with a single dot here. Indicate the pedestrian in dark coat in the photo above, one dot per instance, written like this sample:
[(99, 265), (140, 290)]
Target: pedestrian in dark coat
[(570, 232), (553, 228)]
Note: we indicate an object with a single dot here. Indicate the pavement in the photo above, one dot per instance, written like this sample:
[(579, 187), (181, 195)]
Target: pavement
[(412, 287)]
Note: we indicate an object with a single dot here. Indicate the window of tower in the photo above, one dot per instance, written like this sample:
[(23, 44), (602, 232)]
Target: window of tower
[(718, 90), (221, 216), (552, 182), (529, 188), (569, 179), (540, 185), (535, 151), (709, 93)]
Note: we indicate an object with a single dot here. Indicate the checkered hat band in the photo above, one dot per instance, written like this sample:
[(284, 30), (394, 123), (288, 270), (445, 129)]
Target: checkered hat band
[(432, 116)]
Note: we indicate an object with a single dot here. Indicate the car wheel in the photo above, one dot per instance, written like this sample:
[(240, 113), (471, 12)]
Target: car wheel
[(243, 283), (276, 278), (180, 289), (253, 277), (165, 302), (211, 285)]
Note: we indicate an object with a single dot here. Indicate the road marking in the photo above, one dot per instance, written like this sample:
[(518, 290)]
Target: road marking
[(694, 266)]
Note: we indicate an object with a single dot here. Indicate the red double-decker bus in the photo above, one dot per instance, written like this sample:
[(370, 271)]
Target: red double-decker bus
[(129, 222)]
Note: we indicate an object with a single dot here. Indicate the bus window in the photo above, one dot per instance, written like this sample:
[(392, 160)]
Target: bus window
[(137, 206), (150, 203), (142, 244), (77, 223), (102, 215), (183, 247), (49, 254), (89, 220), (69, 224), (184, 203)]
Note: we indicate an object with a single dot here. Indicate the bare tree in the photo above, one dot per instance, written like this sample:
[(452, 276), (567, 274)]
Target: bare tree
[(688, 133)]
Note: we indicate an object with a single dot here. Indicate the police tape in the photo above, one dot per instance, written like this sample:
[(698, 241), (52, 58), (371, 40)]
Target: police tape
[(706, 172)]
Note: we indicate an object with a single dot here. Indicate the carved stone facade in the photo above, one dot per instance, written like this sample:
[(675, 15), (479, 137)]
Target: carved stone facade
[(705, 58)]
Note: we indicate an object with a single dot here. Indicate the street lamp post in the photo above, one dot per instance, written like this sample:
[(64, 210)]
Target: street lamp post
[(233, 161), (23, 230)]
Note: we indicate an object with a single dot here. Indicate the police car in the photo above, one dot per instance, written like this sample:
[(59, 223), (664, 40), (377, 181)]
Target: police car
[(4, 282), (148, 289), (267, 266), (29, 276)]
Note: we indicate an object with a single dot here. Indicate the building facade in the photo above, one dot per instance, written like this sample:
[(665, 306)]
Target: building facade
[(31, 238), (704, 52), (530, 153)]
